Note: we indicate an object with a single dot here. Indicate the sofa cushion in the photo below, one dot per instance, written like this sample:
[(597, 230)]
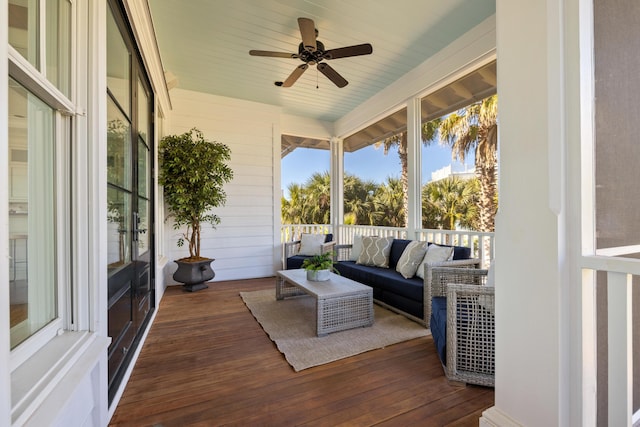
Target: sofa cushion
[(311, 244), (386, 279), (397, 249), (391, 281), (407, 305), (375, 251), (411, 257), (459, 252), (295, 262), (356, 247), (436, 254), (438, 324), (358, 272)]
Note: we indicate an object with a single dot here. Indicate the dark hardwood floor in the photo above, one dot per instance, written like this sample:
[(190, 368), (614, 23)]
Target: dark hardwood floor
[(207, 362)]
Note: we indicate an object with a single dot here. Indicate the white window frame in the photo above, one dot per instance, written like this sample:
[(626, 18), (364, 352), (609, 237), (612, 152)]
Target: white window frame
[(42, 362), (61, 140)]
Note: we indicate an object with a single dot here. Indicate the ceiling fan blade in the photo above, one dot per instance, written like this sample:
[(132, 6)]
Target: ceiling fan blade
[(332, 75), (273, 54), (343, 52), (295, 75), (308, 32)]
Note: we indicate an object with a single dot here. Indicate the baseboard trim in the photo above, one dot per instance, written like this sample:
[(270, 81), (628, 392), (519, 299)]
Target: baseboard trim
[(493, 417)]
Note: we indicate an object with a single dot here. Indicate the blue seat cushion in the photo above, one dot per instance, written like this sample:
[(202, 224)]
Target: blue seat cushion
[(397, 248), (295, 262), (407, 305), (439, 326), (386, 279)]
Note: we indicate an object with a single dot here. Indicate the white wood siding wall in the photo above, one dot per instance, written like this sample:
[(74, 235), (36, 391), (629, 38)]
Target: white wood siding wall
[(244, 244)]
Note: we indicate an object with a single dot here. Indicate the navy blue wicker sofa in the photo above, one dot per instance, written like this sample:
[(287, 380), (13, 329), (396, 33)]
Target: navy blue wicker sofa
[(390, 288)]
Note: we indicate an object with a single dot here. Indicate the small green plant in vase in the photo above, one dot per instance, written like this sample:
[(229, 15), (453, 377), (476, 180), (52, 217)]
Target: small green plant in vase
[(319, 266)]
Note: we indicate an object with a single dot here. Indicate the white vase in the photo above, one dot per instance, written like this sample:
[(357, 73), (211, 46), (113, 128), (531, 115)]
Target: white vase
[(317, 275)]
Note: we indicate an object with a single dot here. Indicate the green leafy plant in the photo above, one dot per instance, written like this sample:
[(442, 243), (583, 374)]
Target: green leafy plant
[(193, 171), (323, 261)]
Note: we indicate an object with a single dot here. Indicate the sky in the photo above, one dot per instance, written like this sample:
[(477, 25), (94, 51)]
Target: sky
[(368, 163)]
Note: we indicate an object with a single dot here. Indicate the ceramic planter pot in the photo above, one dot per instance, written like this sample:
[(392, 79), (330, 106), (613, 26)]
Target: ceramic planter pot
[(194, 274), (317, 275)]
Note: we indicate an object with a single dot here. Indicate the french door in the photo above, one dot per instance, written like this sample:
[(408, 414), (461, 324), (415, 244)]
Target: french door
[(129, 196)]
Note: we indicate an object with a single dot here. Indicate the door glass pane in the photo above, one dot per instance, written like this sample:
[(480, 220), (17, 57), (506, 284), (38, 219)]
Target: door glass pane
[(118, 65), (143, 226), (23, 28), (118, 147), (143, 169), (58, 44), (32, 247), (143, 113), (118, 229)]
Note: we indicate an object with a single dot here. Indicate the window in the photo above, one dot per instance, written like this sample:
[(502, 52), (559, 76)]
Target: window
[(32, 237), (47, 48), (40, 118)]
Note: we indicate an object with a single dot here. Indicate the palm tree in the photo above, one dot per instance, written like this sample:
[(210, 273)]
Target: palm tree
[(449, 202), (388, 205), (429, 132), (293, 210), (476, 128), (358, 199), (318, 196)]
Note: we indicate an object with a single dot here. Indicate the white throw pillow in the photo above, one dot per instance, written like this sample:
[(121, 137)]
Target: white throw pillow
[(411, 258), (375, 251), (435, 255), (311, 244)]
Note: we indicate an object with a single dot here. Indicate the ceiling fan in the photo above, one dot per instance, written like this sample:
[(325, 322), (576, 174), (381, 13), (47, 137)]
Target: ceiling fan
[(312, 52)]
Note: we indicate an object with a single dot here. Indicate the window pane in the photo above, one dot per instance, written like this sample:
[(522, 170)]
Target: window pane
[(143, 113), (118, 65), (118, 147), (58, 43), (32, 276), (143, 169), (23, 28), (143, 226)]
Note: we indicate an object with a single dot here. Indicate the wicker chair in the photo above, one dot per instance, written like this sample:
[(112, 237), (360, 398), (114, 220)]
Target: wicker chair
[(470, 340), (292, 248)]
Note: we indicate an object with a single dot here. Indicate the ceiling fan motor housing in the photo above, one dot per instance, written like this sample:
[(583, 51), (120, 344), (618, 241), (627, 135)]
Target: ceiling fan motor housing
[(311, 57)]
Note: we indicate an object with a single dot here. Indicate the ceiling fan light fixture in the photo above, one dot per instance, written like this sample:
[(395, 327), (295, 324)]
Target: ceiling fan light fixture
[(312, 51)]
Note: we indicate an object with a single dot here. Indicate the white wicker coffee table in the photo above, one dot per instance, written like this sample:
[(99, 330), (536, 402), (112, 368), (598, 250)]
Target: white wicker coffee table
[(341, 303)]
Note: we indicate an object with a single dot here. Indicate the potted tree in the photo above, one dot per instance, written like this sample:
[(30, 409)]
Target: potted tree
[(193, 172), (319, 266)]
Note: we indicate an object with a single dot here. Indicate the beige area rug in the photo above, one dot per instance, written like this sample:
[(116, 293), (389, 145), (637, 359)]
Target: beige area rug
[(290, 324)]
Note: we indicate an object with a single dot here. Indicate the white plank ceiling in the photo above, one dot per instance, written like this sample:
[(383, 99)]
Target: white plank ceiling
[(206, 43)]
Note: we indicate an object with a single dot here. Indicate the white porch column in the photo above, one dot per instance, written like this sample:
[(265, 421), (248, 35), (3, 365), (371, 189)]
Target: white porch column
[(414, 167), (533, 358), (337, 186)]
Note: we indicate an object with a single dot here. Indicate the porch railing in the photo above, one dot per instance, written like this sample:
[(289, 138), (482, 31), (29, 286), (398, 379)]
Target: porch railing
[(481, 244)]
